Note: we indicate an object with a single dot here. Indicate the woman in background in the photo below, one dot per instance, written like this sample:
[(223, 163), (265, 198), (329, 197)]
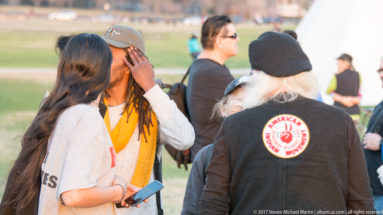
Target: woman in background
[(344, 87)]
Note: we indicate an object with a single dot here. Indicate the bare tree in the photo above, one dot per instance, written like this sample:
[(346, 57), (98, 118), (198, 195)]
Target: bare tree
[(100, 3), (36, 3), (13, 2), (156, 7)]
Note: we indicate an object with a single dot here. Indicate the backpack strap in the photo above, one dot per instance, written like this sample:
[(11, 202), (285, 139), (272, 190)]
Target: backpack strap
[(158, 176), (186, 74)]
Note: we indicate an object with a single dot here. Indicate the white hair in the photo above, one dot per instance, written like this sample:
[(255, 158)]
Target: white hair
[(264, 88), (229, 104)]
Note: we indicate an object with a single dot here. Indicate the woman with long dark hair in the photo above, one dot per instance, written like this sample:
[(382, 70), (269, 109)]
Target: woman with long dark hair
[(67, 160)]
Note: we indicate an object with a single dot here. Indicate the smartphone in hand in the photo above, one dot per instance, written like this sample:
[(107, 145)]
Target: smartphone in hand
[(143, 194)]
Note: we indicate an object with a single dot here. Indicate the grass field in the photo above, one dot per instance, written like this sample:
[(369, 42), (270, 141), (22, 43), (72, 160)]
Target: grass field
[(33, 46)]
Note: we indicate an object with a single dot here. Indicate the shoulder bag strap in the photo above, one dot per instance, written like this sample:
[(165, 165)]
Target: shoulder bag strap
[(158, 176), (186, 74)]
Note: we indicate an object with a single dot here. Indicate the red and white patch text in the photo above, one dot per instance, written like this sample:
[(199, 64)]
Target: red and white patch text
[(286, 136)]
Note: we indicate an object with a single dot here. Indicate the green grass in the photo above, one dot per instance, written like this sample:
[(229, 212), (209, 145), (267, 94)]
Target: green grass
[(166, 49), (12, 127), (27, 49), (19, 101), (21, 95)]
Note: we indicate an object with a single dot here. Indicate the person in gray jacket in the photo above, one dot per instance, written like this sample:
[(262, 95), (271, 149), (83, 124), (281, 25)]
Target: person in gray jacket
[(230, 103)]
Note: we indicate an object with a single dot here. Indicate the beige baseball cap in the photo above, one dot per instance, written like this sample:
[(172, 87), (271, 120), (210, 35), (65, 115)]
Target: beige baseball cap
[(121, 36)]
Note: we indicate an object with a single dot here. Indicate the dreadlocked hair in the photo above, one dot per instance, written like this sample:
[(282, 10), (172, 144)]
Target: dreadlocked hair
[(135, 95)]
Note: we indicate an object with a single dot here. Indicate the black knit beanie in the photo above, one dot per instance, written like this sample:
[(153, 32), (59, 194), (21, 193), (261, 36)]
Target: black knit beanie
[(278, 55)]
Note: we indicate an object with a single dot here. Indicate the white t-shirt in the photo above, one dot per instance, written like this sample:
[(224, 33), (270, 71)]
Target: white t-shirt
[(115, 113), (80, 155)]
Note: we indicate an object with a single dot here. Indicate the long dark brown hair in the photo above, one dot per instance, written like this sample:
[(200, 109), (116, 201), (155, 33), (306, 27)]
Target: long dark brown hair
[(83, 73)]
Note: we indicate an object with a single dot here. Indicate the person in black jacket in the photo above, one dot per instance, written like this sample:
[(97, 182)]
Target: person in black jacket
[(285, 152), (372, 142)]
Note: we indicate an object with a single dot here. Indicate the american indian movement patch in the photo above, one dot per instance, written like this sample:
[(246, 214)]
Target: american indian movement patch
[(286, 136)]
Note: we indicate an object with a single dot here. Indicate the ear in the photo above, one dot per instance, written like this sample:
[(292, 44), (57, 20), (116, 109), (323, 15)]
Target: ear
[(223, 111), (218, 42)]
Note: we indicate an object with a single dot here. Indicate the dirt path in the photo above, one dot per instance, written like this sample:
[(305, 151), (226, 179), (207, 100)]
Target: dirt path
[(50, 73), (46, 75)]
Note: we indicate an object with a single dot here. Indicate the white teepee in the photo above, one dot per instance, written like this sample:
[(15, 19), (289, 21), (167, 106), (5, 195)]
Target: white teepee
[(332, 27)]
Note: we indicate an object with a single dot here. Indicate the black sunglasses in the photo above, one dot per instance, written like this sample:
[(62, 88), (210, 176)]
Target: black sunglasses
[(380, 70), (234, 36)]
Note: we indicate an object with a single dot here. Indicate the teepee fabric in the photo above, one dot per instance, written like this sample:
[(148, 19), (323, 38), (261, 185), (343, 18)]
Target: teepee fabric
[(333, 27)]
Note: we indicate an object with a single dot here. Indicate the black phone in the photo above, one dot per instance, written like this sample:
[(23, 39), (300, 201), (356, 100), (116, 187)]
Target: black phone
[(143, 194)]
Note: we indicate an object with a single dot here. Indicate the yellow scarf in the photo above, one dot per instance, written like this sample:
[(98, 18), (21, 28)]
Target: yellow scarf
[(121, 135)]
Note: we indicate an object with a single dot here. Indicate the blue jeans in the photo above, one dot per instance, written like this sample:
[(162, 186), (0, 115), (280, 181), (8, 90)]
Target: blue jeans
[(378, 203)]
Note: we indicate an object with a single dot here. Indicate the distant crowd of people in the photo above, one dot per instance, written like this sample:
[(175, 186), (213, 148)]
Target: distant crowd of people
[(261, 142)]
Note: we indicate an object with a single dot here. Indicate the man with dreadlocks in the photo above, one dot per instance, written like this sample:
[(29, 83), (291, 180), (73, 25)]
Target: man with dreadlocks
[(136, 111)]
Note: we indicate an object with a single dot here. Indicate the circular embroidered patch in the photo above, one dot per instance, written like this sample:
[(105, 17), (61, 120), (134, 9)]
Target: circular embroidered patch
[(286, 136)]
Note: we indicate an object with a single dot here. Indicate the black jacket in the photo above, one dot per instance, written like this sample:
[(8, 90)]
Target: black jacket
[(206, 85), (325, 171), (374, 158)]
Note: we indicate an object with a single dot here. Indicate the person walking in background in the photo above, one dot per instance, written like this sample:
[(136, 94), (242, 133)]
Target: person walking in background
[(193, 45), (137, 113), (231, 103), (285, 151), (67, 162), (372, 142), (209, 77), (344, 87)]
